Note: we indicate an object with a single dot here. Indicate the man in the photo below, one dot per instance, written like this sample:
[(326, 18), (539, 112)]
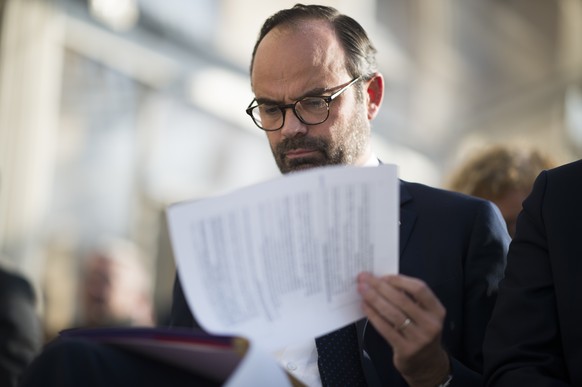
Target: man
[(317, 88), (534, 337)]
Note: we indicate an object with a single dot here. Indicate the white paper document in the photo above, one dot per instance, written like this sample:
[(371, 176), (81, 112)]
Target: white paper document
[(277, 262)]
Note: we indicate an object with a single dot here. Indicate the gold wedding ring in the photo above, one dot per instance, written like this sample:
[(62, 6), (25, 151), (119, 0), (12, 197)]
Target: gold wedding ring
[(404, 325)]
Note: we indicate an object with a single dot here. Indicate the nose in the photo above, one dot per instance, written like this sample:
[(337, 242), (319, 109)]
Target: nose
[(292, 125)]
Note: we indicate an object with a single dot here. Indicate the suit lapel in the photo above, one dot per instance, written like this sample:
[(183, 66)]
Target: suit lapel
[(407, 217)]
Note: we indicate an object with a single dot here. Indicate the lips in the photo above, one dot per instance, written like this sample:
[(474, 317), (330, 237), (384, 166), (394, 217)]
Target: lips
[(301, 152)]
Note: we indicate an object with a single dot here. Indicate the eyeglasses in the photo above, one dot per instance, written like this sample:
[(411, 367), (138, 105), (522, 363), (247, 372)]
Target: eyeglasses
[(309, 110)]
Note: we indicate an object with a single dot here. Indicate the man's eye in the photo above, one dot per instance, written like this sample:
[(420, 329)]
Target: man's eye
[(269, 110), (313, 104)]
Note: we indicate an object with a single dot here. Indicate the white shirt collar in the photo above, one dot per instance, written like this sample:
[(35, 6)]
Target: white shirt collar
[(372, 161)]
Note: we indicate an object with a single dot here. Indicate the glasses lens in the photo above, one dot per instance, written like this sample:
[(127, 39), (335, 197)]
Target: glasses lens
[(313, 110), (268, 117)]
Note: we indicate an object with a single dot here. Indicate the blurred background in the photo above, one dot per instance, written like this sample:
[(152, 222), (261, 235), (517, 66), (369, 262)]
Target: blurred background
[(110, 110)]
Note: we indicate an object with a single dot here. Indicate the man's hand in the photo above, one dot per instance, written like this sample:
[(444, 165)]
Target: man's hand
[(410, 317)]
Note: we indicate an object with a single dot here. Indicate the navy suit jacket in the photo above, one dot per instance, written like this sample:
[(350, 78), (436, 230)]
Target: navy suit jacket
[(457, 244), (535, 334)]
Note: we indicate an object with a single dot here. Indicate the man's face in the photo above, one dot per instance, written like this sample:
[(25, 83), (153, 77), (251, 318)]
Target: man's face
[(291, 63)]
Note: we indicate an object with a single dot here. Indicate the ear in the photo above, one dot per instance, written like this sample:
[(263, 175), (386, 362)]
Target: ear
[(375, 91)]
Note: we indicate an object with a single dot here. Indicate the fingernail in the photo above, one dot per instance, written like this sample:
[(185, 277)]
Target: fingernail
[(364, 276), (363, 287)]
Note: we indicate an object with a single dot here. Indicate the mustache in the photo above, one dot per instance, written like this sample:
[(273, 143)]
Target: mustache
[(292, 143)]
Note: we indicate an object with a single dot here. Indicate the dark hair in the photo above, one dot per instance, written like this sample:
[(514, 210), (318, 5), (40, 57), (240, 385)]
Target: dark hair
[(360, 53)]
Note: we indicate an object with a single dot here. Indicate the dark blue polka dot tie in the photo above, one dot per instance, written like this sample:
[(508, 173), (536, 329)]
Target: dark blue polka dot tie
[(339, 358)]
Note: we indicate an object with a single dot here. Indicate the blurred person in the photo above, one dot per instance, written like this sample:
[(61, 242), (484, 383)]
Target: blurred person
[(21, 335), (317, 88), (503, 175), (535, 334), (115, 287)]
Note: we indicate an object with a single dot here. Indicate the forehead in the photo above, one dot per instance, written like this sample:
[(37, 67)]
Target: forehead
[(298, 57)]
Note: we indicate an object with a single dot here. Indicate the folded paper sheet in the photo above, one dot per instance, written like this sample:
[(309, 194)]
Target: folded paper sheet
[(277, 262)]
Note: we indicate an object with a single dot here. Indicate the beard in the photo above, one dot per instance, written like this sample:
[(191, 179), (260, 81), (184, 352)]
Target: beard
[(348, 144)]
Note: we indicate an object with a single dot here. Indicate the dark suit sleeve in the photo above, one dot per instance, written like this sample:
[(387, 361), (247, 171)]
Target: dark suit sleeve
[(522, 345), (484, 265), (483, 269)]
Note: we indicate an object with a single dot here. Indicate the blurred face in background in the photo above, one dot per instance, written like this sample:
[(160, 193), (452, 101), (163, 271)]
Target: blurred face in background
[(115, 294)]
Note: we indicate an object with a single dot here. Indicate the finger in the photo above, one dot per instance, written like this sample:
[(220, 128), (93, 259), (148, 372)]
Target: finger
[(380, 309), (385, 329), (427, 312), (379, 296), (418, 291), (409, 296), (381, 292)]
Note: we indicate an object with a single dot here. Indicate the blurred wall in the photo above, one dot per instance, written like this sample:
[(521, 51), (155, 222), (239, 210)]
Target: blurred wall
[(30, 83)]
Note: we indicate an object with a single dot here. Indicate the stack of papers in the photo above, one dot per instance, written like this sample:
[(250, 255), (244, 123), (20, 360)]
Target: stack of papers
[(277, 262)]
